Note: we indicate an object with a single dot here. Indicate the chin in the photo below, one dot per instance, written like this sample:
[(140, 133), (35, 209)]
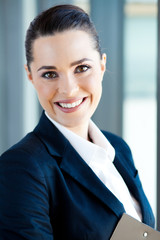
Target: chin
[(73, 123)]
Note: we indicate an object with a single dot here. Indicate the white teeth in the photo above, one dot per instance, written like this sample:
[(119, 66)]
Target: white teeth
[(71, 105)]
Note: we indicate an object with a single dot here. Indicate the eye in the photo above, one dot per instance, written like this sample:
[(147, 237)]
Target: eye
[(82, 68), (50, 75)]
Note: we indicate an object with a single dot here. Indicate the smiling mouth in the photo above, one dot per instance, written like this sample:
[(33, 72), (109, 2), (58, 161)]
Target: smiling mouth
[(70, 105)]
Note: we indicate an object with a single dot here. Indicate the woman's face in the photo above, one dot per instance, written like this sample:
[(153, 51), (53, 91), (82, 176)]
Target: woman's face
[(67, 74)]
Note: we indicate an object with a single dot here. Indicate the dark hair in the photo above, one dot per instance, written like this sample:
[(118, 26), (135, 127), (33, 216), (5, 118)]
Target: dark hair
[(57, 19)]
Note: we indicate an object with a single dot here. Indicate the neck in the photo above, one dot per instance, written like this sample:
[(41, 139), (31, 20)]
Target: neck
[(82, 131)]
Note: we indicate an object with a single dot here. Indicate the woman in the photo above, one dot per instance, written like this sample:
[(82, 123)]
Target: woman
[(67, 179)]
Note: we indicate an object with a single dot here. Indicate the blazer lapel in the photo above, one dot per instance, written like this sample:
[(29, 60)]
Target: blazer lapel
[(133, 183), (77, 168), (71, 162), (52, 138)]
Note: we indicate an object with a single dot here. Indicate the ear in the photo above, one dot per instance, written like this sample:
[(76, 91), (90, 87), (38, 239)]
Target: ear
[(29, 74), (103, 64)]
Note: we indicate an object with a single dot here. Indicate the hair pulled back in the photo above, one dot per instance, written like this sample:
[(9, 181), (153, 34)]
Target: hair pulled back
[(58, 19)]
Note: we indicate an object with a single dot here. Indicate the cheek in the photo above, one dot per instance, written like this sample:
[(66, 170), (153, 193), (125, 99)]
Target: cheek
[(44, 91), (94, 84)]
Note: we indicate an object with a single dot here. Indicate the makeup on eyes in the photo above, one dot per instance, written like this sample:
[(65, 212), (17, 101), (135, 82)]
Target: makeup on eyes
[(83, 67), (53, 74), (49, 75)]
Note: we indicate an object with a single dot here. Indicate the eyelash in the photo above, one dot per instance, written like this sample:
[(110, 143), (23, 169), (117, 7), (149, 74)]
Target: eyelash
[(44, 75), (82, 66), (87, 67)]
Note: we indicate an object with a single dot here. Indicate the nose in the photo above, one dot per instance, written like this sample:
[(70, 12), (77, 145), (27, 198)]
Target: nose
[(68, 85)]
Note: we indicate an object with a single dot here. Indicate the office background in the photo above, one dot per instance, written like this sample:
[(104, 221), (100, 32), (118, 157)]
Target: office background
[(129, 106)]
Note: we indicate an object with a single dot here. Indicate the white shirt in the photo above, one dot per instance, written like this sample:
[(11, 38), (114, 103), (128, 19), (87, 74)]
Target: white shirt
[(99, 155)]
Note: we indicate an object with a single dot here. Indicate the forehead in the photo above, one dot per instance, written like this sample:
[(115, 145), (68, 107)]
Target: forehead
[(64, 45)]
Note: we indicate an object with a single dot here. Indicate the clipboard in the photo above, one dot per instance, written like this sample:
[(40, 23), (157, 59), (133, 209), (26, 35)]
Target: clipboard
[(129, 228)]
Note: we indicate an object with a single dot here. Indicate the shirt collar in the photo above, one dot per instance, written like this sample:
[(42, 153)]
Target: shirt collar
[(87, 150)]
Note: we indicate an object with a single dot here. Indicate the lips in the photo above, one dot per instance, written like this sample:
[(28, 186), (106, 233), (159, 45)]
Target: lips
[(70, 105)]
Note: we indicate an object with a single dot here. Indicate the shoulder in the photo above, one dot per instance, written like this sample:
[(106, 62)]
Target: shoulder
[(27, 146), (122, 149), (20, 155), (29, 155), (116, 141)]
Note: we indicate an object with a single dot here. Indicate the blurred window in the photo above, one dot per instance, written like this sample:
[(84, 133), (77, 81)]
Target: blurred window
[(139, 96)]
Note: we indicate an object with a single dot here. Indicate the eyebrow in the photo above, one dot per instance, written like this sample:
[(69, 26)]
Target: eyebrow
[(72, 64), (46, 67), (80, 61)]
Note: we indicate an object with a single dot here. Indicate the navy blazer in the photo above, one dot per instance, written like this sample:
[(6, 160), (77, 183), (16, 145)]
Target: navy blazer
[(47, 191)]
